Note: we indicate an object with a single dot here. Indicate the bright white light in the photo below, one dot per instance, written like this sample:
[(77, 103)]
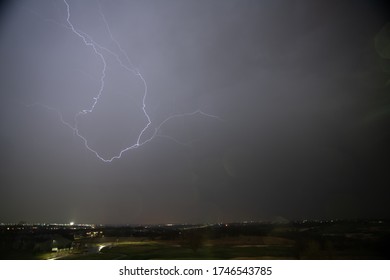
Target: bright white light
[(71, 223)]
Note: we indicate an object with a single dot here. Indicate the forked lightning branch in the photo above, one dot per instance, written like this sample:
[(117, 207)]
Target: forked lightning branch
[(101, 52)]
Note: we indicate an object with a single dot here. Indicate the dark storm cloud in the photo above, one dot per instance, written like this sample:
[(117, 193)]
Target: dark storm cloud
[(292, 81)]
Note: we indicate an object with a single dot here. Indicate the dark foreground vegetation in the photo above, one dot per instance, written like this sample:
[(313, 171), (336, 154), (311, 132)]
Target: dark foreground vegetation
[(297, 240)]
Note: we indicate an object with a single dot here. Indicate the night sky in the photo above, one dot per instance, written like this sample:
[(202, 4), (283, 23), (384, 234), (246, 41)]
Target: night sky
[(300, 91)]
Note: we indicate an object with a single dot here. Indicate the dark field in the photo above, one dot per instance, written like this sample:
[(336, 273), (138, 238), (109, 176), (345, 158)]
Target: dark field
[(300, 240)]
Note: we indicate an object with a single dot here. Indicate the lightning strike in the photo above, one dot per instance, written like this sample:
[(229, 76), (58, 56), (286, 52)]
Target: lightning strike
[(99, 51)]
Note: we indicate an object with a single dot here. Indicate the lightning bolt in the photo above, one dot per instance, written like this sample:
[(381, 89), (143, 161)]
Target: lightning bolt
[(98, 50)]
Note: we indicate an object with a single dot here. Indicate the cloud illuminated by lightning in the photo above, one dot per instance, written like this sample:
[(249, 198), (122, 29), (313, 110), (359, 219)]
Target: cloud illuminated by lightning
[(127, 65)]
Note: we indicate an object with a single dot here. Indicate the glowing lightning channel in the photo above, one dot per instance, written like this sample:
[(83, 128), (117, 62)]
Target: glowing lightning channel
[(97, 48)]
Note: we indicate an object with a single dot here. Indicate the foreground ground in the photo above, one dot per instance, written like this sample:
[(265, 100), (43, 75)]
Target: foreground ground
[(304, 240)]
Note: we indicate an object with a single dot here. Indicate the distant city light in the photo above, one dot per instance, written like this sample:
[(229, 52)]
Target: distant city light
[(71, 223)]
